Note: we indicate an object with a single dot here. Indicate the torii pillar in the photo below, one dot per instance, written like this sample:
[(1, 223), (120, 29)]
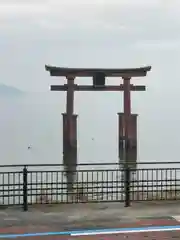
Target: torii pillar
[(132, 151), (127, 129), (70, 135)]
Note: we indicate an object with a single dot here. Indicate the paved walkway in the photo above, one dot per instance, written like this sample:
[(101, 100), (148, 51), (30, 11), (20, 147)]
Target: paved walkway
[(161, 235), (90, 216)]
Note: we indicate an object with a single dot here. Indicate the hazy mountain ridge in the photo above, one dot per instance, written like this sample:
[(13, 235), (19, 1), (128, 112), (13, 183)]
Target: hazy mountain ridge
[(9, 91)]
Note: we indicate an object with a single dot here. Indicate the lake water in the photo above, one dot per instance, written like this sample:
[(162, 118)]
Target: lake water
[(35, 121), (31, 132)]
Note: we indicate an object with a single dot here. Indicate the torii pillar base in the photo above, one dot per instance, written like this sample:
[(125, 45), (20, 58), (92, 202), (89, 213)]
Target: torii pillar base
[(132, 153), (70, 149)]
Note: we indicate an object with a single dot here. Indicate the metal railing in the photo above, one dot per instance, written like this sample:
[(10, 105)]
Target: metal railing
[(46, 183)]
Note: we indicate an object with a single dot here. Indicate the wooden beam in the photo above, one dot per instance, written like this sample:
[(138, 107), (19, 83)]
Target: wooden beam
[(89, 72), (110, 88)]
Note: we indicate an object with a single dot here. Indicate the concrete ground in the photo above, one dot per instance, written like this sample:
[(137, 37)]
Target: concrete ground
[(89, 216)]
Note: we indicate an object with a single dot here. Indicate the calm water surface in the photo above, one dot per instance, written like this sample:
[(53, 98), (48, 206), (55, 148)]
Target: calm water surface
[(31, 132)]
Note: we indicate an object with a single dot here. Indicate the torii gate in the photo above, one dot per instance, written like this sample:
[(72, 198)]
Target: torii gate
[(127, 121)]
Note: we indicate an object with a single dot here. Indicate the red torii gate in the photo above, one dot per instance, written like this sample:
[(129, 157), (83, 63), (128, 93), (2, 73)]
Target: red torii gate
[(127, 121)]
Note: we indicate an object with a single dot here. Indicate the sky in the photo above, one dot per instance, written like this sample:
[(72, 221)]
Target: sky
[(96, 33), (88, 33)]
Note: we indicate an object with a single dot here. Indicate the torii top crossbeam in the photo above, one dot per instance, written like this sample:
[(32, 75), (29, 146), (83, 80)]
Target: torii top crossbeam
[(89, 72)]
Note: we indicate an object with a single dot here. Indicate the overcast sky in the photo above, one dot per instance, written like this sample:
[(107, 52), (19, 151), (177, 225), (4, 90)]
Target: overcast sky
[(94, 33), (87, 33)]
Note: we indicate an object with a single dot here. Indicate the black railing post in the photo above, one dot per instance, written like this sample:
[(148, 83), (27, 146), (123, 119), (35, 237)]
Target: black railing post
[(25, 191), (127, 185)]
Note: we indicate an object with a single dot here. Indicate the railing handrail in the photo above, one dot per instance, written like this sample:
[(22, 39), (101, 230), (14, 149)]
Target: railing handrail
[(88, 164), (160, 181)]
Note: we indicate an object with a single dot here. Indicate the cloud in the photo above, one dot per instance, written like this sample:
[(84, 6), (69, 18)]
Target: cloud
[(136, 19), (158, 45), (67, 7), (20, 9)]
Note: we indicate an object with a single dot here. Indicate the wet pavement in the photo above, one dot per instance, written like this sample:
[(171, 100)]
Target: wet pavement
[(91, 216), (159, 235)]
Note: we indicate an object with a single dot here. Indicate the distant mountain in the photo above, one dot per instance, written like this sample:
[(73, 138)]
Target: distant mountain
[(9, 91)]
